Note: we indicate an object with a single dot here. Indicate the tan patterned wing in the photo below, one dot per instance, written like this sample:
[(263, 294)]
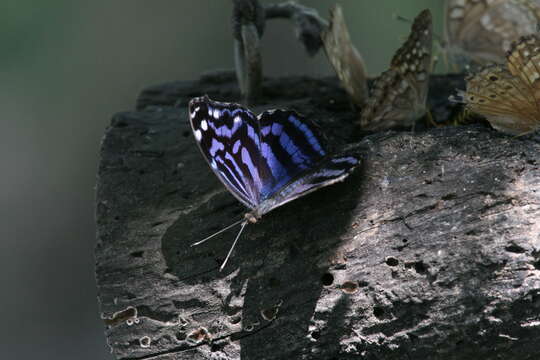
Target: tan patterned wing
[(399, 94), (413, 59), (524, 62), (463, 15), (505, 100), (391, 103), (481, 31), (344, 57)]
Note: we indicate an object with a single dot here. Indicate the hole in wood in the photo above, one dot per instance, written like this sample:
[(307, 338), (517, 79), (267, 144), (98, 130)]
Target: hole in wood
[(327, 279), (392, 261)]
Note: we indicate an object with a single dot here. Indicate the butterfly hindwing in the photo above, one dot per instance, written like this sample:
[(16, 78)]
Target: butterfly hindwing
[(390, 102), (290, 145), (327, 172)]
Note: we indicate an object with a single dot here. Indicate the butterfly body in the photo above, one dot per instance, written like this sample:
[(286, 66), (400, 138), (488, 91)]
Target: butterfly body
[(268, 160), (399, 94)]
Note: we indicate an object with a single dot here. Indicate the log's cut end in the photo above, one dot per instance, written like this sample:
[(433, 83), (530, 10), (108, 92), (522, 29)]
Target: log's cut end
[(431, 249)]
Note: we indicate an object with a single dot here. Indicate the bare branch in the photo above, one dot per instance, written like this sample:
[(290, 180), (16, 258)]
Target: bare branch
[(308, 24)]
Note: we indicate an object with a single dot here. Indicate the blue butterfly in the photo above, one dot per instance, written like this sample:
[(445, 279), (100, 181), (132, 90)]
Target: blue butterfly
[(265, 161)]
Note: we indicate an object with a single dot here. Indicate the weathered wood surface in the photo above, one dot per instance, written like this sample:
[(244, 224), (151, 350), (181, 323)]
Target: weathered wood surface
[(430, 250)]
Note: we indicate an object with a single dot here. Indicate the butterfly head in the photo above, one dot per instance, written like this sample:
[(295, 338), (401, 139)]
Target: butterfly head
[(252, 217)]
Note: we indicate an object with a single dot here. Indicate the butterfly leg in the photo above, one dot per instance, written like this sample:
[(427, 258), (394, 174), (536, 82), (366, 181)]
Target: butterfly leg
[(522, 134), (461, 118), (217, 233), (233, 245), (429, 117), (434, 63)]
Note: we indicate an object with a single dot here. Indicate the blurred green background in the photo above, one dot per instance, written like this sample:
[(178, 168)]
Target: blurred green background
[(66, 67)]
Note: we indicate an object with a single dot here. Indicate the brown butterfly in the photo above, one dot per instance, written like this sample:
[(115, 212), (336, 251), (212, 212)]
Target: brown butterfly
[(509, 95), (481, 31), (399, 94), (344, 57)]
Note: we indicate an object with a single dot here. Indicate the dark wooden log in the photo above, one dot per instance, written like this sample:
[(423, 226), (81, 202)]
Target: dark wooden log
[(430, 250)]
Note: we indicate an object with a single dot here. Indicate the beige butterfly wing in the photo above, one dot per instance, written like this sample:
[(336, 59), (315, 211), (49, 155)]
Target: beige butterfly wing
[(345, 59), (508, 96), (398, 97), (481, 31)]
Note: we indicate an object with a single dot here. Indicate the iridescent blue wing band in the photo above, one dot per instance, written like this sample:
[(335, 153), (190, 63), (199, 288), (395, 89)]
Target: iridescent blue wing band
[(327, 172), (289, 146)]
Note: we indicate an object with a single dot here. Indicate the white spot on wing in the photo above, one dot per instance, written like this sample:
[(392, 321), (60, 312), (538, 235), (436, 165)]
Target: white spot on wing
[(204, 125), (198, 135)]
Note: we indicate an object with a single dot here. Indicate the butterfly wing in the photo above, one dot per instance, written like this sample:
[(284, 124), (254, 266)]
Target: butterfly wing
[(390, 103), (228, 137), (413, 59), (466, 35), (290, 145), (524, 62), (508, 96), (264, 161), (399, 94), (506, 101), (328, 171), (460, 14), (344, 57), (483, 30)]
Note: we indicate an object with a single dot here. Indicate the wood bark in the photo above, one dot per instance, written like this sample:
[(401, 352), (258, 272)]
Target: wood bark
[(431, 249)]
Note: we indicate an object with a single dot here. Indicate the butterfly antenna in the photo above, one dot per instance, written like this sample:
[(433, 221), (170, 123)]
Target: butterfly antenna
[(233, 245), (398, 17), (217, 233)]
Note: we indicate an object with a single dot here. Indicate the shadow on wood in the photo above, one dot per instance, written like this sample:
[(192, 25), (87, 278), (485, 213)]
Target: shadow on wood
[(431, 249)]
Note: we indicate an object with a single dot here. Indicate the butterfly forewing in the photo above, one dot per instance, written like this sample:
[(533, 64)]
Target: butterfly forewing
[(399, 94), (345, 59), (228, 137), (413, 59), (524, 61)]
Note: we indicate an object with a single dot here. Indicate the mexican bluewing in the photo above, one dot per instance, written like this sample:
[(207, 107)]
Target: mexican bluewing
[(265, 161)]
